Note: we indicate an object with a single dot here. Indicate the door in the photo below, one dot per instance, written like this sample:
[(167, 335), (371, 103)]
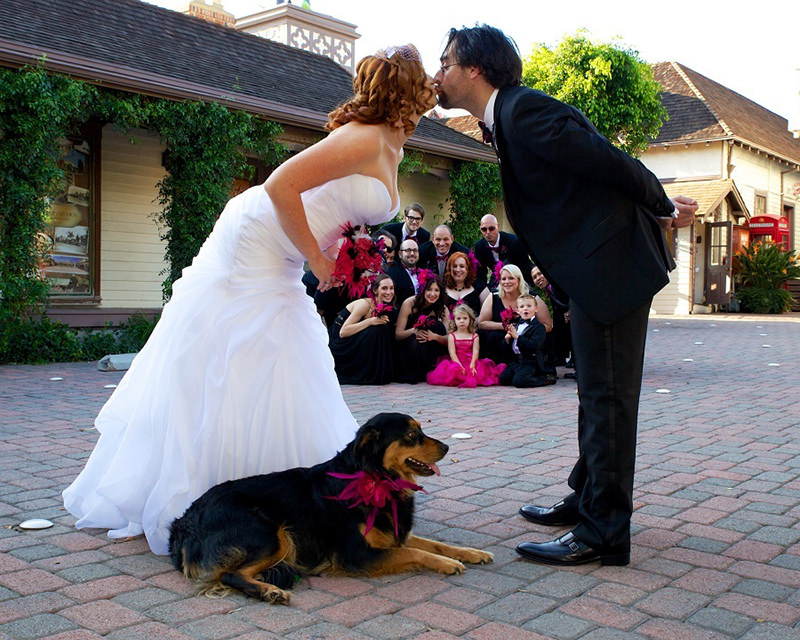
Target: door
[(718, 263)]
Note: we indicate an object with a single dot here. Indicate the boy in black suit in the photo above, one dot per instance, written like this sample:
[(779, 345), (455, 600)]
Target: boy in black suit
[(525, 338)]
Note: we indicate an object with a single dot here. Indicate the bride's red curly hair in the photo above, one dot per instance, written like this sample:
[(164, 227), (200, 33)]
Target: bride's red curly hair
[(387, 90)]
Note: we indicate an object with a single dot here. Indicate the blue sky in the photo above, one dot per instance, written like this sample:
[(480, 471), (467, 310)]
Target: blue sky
[(752, 51)]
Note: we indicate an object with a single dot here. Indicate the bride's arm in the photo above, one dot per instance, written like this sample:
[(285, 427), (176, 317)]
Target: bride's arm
[(348, 150)]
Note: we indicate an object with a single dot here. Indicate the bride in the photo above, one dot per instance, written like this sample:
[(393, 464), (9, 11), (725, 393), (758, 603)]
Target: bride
[(237, 378)]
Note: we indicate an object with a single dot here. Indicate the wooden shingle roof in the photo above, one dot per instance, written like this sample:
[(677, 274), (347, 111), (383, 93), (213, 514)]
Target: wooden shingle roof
[(703, 110), (139, 47)]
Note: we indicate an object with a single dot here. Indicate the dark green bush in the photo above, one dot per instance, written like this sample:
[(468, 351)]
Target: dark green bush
[(35, 341), (764, 268), (134, 333), (759, 300)]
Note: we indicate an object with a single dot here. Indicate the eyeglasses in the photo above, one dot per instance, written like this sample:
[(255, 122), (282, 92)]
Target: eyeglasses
[(410, 250), (443, 69), (485, 229), (414, 218)]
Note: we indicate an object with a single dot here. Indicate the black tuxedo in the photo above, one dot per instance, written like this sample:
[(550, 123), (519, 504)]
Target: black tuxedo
[(396, 229), (403, 284), (586, 212), (512, 251), (527, 368), (427, 255)]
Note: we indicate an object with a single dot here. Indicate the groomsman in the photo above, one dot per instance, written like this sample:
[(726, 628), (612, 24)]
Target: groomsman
[(433, 255), (404, 272), (500, 246), (411, 227)]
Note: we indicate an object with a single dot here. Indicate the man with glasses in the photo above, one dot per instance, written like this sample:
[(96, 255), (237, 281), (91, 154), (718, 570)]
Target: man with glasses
[(592, 218), (404, 272), (411, 227), (499, 246)]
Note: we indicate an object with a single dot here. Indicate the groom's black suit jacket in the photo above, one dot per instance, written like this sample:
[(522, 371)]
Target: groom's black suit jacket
[(585, 210)]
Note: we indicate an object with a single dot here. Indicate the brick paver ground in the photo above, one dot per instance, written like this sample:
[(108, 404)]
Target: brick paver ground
[(716, 543)]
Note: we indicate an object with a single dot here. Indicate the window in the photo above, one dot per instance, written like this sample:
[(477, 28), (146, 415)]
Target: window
[(68, 244), (760, 205)]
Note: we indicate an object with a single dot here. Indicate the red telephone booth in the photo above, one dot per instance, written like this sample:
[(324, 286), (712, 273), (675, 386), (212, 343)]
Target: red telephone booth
[(772, 228)]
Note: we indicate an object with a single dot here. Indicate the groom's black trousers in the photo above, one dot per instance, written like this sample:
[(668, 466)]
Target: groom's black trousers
[(608, 361)]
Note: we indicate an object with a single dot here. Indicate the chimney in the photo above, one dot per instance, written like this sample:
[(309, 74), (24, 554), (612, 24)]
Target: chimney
[(213, 12)]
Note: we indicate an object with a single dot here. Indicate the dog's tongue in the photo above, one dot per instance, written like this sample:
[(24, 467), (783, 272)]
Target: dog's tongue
[(435, 468)]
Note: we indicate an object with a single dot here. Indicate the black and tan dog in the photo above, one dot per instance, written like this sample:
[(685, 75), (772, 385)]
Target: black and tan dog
[(351, 515)]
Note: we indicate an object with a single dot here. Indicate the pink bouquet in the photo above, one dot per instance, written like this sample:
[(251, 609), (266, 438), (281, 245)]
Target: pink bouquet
[(359, 260), (425, 323), (508, 317)]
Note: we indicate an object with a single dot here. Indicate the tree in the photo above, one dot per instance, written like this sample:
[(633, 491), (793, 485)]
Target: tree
[(610, 84)]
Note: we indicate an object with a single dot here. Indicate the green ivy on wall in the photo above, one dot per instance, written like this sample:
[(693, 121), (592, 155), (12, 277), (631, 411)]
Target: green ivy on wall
[(475, 190), (206, 150), (205, 153), (36, 110)]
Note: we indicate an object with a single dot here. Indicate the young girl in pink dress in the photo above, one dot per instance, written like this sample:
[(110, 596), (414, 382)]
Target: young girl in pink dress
[(463, 368)]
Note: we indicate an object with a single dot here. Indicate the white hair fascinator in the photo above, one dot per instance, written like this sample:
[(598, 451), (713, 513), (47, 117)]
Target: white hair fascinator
[(406, 51)]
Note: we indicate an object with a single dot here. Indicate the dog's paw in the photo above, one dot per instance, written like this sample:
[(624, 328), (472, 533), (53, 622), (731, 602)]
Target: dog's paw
[(475, 556), (449, 566), (274, 595)]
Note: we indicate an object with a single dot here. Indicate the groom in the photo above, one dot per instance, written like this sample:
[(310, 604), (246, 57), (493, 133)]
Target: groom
[(591, 217)]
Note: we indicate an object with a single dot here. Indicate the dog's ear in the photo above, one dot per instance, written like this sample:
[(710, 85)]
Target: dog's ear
[(369, 448)]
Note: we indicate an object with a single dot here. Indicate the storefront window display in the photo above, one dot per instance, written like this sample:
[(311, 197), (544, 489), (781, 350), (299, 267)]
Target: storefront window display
[(66, 243)]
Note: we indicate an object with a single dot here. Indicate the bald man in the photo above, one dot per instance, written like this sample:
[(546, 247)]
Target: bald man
[(499, 245)]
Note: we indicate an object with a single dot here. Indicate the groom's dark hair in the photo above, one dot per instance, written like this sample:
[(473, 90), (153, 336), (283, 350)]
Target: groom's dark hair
[(489, 49)]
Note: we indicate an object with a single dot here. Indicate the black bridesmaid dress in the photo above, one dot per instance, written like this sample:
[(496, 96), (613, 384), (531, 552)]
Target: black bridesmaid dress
[(414, 359), (366, 357)]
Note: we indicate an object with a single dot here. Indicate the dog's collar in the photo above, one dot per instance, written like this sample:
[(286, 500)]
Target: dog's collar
[(373, 490)]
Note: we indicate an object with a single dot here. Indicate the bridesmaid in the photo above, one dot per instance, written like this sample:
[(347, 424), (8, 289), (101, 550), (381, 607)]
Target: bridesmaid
[(504, 303), (421, 334), (460, 283), (361, 337)]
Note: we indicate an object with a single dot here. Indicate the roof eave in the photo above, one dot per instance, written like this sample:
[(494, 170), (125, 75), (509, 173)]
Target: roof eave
[(14, 54), (137, 81)]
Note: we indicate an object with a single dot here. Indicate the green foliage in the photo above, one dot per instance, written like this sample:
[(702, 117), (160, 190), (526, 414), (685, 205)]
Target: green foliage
[(34, 341), (30, 341), (764, 268), (206, 145), (758, 300), (413, 162), (475, 190), (610, 84), (36, 111)]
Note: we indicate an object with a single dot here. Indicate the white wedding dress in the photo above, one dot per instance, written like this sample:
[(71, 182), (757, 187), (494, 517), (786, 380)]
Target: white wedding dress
[(236, 379)]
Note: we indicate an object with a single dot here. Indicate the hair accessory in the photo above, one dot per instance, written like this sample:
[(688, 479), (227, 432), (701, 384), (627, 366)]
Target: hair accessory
[(406, 51)]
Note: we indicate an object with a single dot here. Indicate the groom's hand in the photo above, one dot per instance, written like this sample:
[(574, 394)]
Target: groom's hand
[(686, 208)]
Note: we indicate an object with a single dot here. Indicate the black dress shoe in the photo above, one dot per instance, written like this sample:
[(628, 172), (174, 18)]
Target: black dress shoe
[(561, 514), (567, 551)]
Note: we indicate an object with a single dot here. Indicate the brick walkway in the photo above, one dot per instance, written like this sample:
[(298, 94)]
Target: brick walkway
[(715, 547)]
